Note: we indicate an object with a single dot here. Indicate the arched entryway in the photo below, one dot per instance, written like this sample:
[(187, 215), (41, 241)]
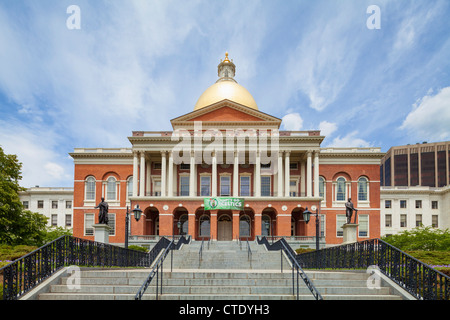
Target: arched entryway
[(224, 226), (247, 224), (298, 225), (151, 221), (202, 224), (180, 214), (269, 222)]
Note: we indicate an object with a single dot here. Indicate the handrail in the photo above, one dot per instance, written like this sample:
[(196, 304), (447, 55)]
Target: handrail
[(249, 253), (160, 264), (282, 245), (27, 272), (200, 252), (416, 277)]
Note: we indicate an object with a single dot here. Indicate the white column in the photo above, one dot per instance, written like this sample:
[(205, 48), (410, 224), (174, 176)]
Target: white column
[(142, 176), (287, 171), (258, 175), (309, 175), (148, 178), (280, 174), (302, 179), (236, 175), (214, 176), (192, 175), (170, 183), (163, 173), (135, 174), (316, 173)]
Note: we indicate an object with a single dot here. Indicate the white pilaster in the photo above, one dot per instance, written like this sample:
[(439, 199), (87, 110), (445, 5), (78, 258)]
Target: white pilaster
[(309, 175), (316, 173), (142, 176), (258, 175), (236, 175), (170, 182), (163, 173), (287, 171), (135, 174), (192, 175), (214, 176), (280, 174)]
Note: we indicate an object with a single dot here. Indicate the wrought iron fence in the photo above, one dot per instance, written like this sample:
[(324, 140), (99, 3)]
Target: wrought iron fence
[(416, 277), (22, 275)]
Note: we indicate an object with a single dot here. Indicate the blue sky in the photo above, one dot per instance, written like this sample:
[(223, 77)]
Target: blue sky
[(134, 65)]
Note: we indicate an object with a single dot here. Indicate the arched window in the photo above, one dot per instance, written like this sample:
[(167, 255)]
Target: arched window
[(322, 187), (90, 188), (111, 188), (130, 187), (362, 189), (340, 189), (204, 226), (244, 226)]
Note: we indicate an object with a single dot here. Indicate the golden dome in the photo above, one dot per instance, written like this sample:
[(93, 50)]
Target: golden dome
[(226, 88)]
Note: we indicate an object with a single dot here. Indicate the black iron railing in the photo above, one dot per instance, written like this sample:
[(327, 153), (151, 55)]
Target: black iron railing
[(283, 246), (158, 266), (24, 274), (416, 277)]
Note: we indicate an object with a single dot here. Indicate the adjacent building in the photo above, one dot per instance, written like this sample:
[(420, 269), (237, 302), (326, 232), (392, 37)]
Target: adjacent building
[(227, 171), (54, 203), (415, 187)]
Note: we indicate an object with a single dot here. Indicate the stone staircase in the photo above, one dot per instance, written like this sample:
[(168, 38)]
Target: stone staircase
[(224, 273)]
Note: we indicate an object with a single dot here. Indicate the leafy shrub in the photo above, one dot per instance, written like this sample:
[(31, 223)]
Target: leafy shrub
[(421, 238)]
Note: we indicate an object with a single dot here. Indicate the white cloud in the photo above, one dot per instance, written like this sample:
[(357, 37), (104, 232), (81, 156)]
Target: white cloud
[(327, 128), (430, 117), (292, 121), (350, 140)]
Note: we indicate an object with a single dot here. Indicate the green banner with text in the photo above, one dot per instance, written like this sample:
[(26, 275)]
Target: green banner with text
[(224, 203)]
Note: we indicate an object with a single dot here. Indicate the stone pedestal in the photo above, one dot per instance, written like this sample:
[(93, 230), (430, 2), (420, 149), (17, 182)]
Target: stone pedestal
[(350, 235), (101, 233)]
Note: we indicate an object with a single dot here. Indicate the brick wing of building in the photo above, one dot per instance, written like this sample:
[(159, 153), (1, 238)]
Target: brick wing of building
[(226, 150)]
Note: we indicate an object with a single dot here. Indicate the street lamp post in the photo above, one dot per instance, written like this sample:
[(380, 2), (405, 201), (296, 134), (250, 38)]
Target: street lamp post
[(306, 216), (137, 215)]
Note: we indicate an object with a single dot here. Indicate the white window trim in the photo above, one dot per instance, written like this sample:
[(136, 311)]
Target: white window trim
[(208, 175), (348, 191), (85, 223), (363, 203), (111, 202), (249, 175), (89, 202), (225, 175)]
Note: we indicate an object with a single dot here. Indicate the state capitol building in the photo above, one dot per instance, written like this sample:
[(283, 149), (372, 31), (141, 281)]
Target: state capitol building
[(225, 172)]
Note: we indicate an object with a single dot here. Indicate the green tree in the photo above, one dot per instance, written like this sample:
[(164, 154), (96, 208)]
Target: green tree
[(17, 226), (421, 238)]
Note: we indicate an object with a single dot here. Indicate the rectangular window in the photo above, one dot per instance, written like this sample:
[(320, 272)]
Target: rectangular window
[(340, 221), (157, 188), (225, 187), (54, 204), (112, 223), (25, 204), (435, 221), (68, 220), (403, 223), (184, 186), (205, 186), (418, 220), (265, 186), (293, 165), (40, 204), (293, 188), (245, 186), (388, 222), (54, 221), (363, 229), (434, 205), (388, 204), (418, 204), (185, 166), (157, 165), (68, 204), (88, 223), (403, 204)]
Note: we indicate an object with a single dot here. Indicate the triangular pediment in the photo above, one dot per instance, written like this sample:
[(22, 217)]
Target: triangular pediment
[(227, 113)]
